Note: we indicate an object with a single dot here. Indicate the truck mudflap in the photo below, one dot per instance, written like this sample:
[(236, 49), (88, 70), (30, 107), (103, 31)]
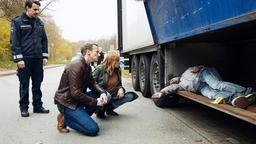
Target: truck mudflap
[(248, 114)]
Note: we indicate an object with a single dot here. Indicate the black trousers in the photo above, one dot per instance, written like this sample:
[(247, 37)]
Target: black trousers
[(34, 70)]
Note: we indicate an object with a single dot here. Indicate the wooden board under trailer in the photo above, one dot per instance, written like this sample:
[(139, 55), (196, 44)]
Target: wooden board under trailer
[(248, 114)]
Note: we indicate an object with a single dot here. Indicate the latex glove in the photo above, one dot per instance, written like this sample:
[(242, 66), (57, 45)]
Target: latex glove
[(120, 93), (100, 102), (45, 61), (104, 98), (21, 64)]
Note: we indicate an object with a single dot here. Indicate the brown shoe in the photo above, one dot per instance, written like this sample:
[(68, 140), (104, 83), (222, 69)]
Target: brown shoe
[(61, 126), (244, 101)]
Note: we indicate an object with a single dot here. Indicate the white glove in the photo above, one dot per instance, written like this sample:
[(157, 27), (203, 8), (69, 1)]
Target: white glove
[(21, 64), (100, 102), (104, 98), (45, 61)]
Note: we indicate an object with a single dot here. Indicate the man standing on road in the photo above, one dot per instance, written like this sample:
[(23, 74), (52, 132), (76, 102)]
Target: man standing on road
[(75, 103), (29, 47)]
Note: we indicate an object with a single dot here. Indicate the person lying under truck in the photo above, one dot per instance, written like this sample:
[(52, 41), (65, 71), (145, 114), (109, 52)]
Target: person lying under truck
[(209, 83)]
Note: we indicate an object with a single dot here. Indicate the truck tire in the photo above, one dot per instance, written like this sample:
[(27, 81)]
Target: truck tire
[(144, 68), (155, 74), (169, 100), (135, 73)]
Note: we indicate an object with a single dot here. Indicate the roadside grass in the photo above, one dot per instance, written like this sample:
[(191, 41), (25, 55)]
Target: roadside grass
[(8, 65)]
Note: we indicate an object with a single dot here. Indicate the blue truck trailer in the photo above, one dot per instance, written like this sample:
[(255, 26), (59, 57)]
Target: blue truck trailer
[(164, 37)]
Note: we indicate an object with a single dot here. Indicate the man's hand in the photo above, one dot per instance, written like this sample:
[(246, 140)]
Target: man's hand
[(157, 95), (120, 93), (21, 64), (45, 61)]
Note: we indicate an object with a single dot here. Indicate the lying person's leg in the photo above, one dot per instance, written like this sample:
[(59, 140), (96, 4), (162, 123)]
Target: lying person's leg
[(213, 79), (214, 94), (235, 99)]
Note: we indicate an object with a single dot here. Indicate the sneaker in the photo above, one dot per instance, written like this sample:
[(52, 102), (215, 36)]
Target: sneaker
[(251, 98), (244, 101)]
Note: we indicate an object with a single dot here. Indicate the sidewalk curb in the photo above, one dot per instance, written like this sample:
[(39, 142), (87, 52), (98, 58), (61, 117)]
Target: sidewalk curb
[(11, 72)]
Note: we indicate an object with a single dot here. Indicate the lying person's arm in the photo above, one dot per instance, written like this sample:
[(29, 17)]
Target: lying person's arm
[(167, 90), (175, 80)]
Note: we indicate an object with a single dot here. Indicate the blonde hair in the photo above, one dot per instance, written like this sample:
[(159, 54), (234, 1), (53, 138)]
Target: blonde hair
[(110, 61)]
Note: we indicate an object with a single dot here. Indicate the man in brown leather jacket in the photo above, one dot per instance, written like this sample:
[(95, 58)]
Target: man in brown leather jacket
[(75, 104)]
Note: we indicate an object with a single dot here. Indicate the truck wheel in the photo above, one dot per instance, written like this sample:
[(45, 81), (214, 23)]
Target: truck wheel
[(144, 76), (154, 75), (135, 73), (169, 100)]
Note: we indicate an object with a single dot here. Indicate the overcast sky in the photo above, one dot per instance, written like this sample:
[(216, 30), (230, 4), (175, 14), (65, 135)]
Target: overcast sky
[(85, 19)]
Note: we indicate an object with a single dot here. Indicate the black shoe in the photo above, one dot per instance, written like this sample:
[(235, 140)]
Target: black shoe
[(135, 96), (101, 114), (24, 113), (110, 110), (41, 110)]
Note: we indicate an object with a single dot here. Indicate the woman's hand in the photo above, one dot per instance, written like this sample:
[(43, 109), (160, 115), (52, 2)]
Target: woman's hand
[(120, 93)]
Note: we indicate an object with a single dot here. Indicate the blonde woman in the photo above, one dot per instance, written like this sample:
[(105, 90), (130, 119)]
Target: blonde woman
[(108, 77)]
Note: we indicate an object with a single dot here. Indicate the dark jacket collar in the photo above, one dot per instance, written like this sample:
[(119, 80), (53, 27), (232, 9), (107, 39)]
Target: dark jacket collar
[(25, 17)]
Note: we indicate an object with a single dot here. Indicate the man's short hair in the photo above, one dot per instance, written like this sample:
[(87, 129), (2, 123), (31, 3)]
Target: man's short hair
[(29, 3), (87, 47)]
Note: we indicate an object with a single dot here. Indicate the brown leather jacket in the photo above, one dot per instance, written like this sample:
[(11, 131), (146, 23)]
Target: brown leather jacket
[(75, 80)]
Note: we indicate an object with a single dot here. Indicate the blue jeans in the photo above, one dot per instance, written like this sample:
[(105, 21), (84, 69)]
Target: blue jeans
[(80, 118), (212, 86), (128, 96)]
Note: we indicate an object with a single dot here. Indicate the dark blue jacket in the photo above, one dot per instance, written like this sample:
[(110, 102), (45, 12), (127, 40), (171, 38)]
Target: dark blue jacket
[(28, 38)]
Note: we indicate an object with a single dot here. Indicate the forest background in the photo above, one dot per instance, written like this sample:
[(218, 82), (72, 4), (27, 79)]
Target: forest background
[(60, 49)]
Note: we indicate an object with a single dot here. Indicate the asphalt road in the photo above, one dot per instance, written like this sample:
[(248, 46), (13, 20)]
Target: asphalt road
[(140, 122)]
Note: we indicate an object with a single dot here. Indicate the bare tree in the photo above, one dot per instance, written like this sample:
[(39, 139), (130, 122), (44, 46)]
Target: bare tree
[(11, 8)]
